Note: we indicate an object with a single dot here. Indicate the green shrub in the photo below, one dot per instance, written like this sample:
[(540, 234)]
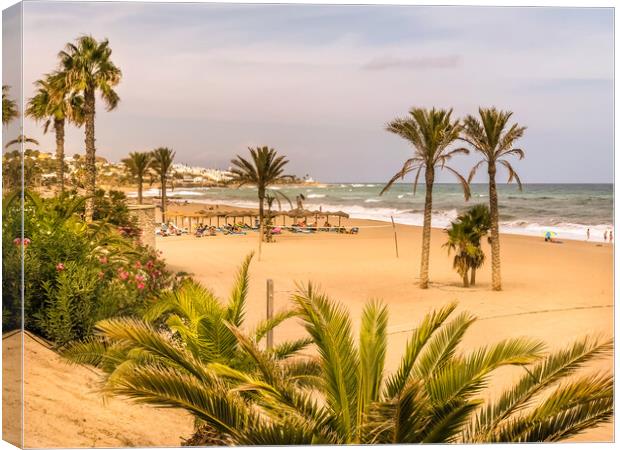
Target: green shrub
[(75, 273)]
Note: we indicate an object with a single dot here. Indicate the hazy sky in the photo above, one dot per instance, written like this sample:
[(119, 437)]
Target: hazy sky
[(319, 83)]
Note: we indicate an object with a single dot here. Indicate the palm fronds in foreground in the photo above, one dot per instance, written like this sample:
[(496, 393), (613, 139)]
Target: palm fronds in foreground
[(246, 395)]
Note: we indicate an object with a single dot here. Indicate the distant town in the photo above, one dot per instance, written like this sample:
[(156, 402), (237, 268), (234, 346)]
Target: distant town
[(40, 170)]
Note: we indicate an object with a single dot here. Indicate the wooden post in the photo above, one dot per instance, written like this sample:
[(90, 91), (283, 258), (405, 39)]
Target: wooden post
[(269, 311), (395, 237)]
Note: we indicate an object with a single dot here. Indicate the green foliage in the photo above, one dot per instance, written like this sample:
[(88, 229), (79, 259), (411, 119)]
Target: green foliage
[(14, 164), (200, 321), (111, 207), (264, 168), (491, 137), (464, 236), (74, 273), (245, 395), (86, 67), (68, 303), (431, 132), (9, 106)]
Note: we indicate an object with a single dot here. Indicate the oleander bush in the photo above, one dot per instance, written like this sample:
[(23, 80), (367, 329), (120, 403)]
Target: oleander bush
[(75, 273)]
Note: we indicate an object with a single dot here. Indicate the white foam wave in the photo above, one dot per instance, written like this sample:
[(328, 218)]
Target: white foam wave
[(441, 218)]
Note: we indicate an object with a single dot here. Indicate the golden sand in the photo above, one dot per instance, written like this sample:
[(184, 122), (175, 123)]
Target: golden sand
[(555, 292)]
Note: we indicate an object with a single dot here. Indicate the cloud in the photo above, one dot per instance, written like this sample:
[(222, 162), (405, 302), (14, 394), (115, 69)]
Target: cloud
[(391, 62), (319, 82)]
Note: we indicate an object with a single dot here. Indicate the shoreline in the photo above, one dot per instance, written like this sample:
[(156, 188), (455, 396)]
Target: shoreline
[(534, 233)]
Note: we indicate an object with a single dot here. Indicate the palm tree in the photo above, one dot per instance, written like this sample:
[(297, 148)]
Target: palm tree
[(88, 69), (464, 235), (435, 396), (478, 220), (162, 159), (53, 103), (264, 169), (9, 106), (491, 137), (430, 132), (188, 329), (138, 165), (459, 241)]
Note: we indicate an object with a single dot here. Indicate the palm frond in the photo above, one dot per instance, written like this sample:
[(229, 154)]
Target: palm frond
[(372, 351), (542, 375), (236, 305), (330, 327), (417, 342)]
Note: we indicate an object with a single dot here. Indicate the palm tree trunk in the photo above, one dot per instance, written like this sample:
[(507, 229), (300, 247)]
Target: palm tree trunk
[(261, 212), (140, 181), (465, 280), (426, 230), (496, 279), (91, 168), (163, 199), (472, 282), (59, 130)]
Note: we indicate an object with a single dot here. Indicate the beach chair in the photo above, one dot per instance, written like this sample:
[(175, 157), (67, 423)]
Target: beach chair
[(354, 230)]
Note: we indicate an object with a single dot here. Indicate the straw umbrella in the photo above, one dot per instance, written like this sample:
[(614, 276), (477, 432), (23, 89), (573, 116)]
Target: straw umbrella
[(340, 215), (218, 215)]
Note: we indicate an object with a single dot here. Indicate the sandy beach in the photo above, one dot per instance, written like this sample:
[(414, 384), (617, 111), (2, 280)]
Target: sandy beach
[(554, 292)]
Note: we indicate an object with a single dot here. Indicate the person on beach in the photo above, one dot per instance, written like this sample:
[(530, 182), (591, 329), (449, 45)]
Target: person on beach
[(611, 236), (605, 236), (588, 234)]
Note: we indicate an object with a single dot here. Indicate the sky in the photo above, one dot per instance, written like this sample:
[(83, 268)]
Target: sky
[(319, 83)]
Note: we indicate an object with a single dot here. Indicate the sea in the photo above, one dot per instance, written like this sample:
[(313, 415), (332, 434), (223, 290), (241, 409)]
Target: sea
[(566, 209)]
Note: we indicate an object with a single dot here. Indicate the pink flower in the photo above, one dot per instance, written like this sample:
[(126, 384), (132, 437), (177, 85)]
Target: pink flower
[(140, 286), (123, 274), (60, 267), (149, 264), (138, 265), (17, 242), (139, 278), (103, 260), (101, 275)]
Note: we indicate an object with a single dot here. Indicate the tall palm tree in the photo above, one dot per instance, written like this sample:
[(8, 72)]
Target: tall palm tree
[(491, 136), (9, 106), (437, 394), (53, 103), (264, 168), (88, 69), (431, 132), (162, 159), (138, 165)]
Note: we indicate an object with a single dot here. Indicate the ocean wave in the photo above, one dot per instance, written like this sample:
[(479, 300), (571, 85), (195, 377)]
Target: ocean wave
[(315, 196), (372, 200), (183, 193)]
